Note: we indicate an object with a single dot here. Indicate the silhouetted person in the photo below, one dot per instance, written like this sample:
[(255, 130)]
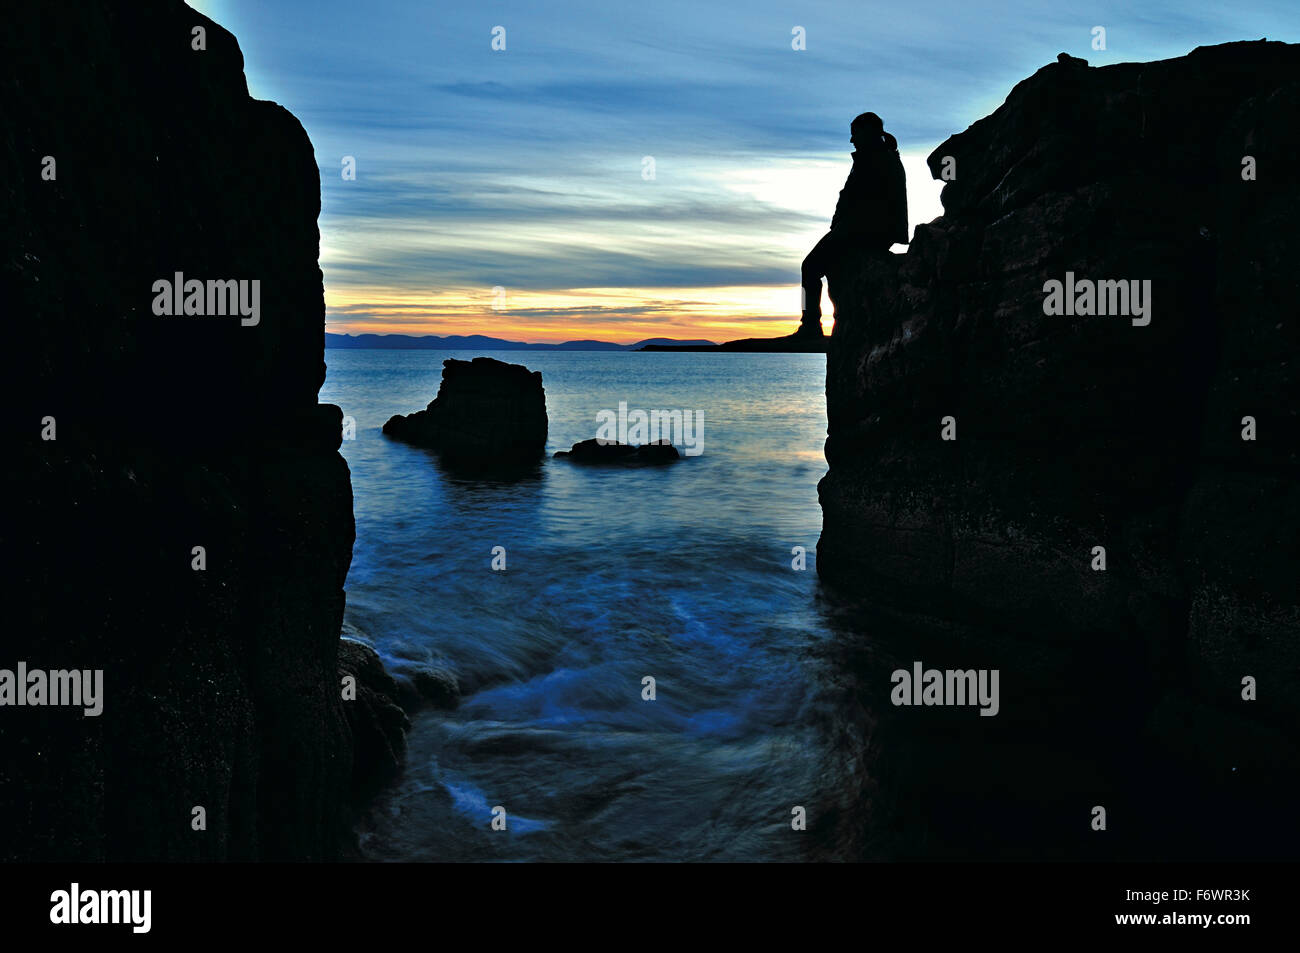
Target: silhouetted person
[(870, 216)]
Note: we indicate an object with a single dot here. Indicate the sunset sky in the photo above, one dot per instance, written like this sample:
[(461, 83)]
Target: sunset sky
[(523, 169)]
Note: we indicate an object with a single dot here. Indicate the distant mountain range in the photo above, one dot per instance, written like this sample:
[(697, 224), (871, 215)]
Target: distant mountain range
[(479, 342)]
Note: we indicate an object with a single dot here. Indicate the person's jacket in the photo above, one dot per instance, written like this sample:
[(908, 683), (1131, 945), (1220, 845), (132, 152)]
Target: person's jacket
[(873, 202)]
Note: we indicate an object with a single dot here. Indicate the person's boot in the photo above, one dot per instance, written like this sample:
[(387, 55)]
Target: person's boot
[(810, 325)]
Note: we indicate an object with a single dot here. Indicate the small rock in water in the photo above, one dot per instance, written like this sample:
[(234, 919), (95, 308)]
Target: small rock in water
[(437, 686), (593, 451)]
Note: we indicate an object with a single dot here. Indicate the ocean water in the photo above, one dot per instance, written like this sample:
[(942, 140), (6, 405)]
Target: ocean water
[(682, 573)]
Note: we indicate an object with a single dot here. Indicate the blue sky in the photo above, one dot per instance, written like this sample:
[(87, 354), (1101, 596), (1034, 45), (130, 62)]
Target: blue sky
[(503, 192)]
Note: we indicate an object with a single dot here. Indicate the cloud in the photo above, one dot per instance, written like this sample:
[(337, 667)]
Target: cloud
[(524, 167)]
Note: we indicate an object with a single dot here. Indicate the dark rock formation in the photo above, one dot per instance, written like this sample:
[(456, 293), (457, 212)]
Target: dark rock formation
[(221, 686), (593, 451), (486, 412), (1081, 431), (437, 686), (377, 721), (428, 685)]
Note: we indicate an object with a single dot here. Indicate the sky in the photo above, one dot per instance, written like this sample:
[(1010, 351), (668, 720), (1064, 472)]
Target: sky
[(626, 170)]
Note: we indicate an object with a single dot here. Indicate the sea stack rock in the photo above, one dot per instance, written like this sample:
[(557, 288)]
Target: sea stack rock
[(486, 413), (1123, 466)]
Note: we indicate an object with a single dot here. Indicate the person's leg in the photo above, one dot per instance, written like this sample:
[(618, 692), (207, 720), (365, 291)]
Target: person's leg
[(814, 266)]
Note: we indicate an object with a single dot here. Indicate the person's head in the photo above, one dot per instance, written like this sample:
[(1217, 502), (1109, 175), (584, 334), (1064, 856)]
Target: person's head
[(866, 129)]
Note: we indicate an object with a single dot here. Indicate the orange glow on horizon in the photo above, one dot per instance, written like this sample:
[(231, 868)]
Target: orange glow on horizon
[(617, 315)]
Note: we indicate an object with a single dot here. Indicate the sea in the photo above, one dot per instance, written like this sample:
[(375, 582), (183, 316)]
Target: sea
[(655, 673)]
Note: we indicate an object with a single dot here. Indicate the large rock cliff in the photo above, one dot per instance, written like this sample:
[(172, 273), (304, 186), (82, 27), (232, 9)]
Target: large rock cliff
[(130, 154), (1082, 431)]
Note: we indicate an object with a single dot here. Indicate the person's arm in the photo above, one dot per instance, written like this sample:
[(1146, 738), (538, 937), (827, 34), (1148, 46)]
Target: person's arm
[(844, 208), (839, 206), (900, 202)]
